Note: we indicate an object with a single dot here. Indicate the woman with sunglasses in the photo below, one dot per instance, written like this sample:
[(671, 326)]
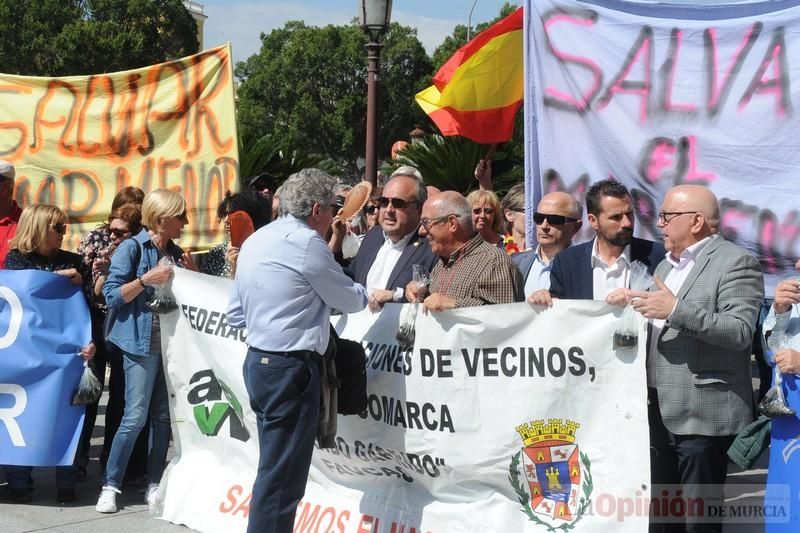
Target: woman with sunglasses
[(37, 246), (95, 250), (135, 272), (486, 216)]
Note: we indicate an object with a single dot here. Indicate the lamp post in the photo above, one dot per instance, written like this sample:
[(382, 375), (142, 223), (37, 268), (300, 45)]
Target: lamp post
[(469, 20), (375, 16)]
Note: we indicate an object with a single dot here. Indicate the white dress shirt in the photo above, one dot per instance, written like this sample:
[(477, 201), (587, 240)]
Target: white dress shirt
[(286, 284), (681, 267), (388, 256), (607, 278)]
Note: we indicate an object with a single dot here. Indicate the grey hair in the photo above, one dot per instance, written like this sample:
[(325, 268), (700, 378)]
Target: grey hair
[(303, 189), (407, 170), (458, 206)]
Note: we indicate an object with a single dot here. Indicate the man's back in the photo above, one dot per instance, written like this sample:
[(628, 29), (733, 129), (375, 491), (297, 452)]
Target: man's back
[(287, 282)]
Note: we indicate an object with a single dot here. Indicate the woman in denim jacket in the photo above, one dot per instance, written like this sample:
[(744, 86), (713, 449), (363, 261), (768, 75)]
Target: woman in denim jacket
[(131, 279)]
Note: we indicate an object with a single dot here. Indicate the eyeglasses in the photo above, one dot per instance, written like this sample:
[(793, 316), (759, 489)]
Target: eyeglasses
[(479, 210), (370, 209), (119, 232), (665, 217), (60, 228), (428, 223), (397, 203), (554, 220)]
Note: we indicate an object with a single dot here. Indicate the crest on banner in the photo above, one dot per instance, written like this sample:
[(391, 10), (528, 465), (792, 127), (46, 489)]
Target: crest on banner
[(556, 482)]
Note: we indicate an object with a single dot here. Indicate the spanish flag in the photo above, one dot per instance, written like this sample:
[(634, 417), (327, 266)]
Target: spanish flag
[(477, 93)]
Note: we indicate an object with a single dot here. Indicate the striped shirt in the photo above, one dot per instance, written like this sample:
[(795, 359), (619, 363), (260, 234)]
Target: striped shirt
[(479, 273)]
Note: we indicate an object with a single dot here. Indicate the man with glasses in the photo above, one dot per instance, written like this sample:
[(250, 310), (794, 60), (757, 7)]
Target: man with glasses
[(703, 315), (558, 220), (599, 269), (470, 271), (9, 210), (385, 259)]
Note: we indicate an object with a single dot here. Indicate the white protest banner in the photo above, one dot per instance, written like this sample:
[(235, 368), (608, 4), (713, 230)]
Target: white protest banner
[(657, 95), (502, 418)]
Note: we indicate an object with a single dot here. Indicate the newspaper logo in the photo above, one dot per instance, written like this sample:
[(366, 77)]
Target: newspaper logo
[(551, 475), (214, 403)]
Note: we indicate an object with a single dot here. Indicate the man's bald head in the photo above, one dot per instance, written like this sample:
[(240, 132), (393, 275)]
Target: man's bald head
[(700, 199), (689, 214), (446, 222), (560, 202)]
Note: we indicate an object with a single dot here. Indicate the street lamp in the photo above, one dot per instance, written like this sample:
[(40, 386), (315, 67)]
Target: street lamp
[(375, 16), (469, 20)]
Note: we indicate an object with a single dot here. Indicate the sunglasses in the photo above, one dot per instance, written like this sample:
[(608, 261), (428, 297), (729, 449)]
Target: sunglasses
[(397, 203), (370, 209), (554, 220), (60, 228), (119, 232)]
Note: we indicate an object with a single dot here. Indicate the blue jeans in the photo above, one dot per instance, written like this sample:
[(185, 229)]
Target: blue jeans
[(145, 390), (284, 392)]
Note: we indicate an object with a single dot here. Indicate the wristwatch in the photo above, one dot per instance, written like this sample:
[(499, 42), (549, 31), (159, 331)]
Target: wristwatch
[(141, 282)]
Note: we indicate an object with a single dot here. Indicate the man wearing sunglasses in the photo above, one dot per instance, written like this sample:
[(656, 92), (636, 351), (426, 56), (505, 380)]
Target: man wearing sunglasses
[(9, 210), (599, 269), (557, 219), (470, 271), (384, 262)]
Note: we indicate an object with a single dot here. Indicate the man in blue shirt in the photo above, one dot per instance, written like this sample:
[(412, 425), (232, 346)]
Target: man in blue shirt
[(286, 283)]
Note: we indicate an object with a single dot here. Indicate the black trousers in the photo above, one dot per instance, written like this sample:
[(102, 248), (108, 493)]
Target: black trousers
[(697, 465), (284, 391)]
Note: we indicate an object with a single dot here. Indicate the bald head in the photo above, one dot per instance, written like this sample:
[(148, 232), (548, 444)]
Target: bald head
[(700, 199), (447, 202), (446, 222), (689, 214), (560, 202)]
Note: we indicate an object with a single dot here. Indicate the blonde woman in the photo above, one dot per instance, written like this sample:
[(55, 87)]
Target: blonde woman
[(136, 331), (486, 216), (37, 246)]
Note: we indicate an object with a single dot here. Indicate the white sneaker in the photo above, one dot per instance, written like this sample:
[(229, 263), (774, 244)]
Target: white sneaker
[(151, 497), (107, 503)]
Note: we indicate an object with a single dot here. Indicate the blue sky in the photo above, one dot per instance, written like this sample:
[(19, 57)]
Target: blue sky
[(242, 21)]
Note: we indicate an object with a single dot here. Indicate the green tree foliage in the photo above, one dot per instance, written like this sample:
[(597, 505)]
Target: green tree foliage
[(459, 36), (449, 163), (264, 154), (71, 37), (307, 89)]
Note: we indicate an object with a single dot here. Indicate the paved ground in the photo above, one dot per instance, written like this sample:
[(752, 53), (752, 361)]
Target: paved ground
[(44, 514)]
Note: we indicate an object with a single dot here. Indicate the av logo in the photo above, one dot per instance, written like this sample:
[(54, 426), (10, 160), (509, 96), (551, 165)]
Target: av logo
[(214, 403)]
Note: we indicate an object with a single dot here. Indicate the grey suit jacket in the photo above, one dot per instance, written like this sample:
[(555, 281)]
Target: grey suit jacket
[(702, 367)]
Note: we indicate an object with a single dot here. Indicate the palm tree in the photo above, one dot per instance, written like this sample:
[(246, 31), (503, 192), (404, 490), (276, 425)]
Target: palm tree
[(448, 163)]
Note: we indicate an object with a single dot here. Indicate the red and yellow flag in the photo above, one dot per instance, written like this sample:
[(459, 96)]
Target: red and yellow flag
[(477, 93)]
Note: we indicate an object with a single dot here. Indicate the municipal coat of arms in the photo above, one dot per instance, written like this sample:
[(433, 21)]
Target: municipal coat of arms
[(556, 483)]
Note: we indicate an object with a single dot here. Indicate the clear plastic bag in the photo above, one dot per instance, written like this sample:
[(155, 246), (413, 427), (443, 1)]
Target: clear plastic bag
[(163, 301), (89, 387), (626, 334), (774, 402), (406, 333)]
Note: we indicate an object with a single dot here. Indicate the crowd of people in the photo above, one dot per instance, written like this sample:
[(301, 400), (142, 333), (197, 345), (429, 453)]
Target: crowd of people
[(702, 308)]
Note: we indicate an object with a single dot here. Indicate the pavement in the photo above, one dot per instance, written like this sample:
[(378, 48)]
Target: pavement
[(743, 488)]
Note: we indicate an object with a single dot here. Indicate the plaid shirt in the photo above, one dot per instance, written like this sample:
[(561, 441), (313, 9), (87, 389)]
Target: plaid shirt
[(478, 274)]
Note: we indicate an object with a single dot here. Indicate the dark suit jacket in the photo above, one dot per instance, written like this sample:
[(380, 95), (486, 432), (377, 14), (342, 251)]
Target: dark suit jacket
[(571, 277), (416, 252)]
